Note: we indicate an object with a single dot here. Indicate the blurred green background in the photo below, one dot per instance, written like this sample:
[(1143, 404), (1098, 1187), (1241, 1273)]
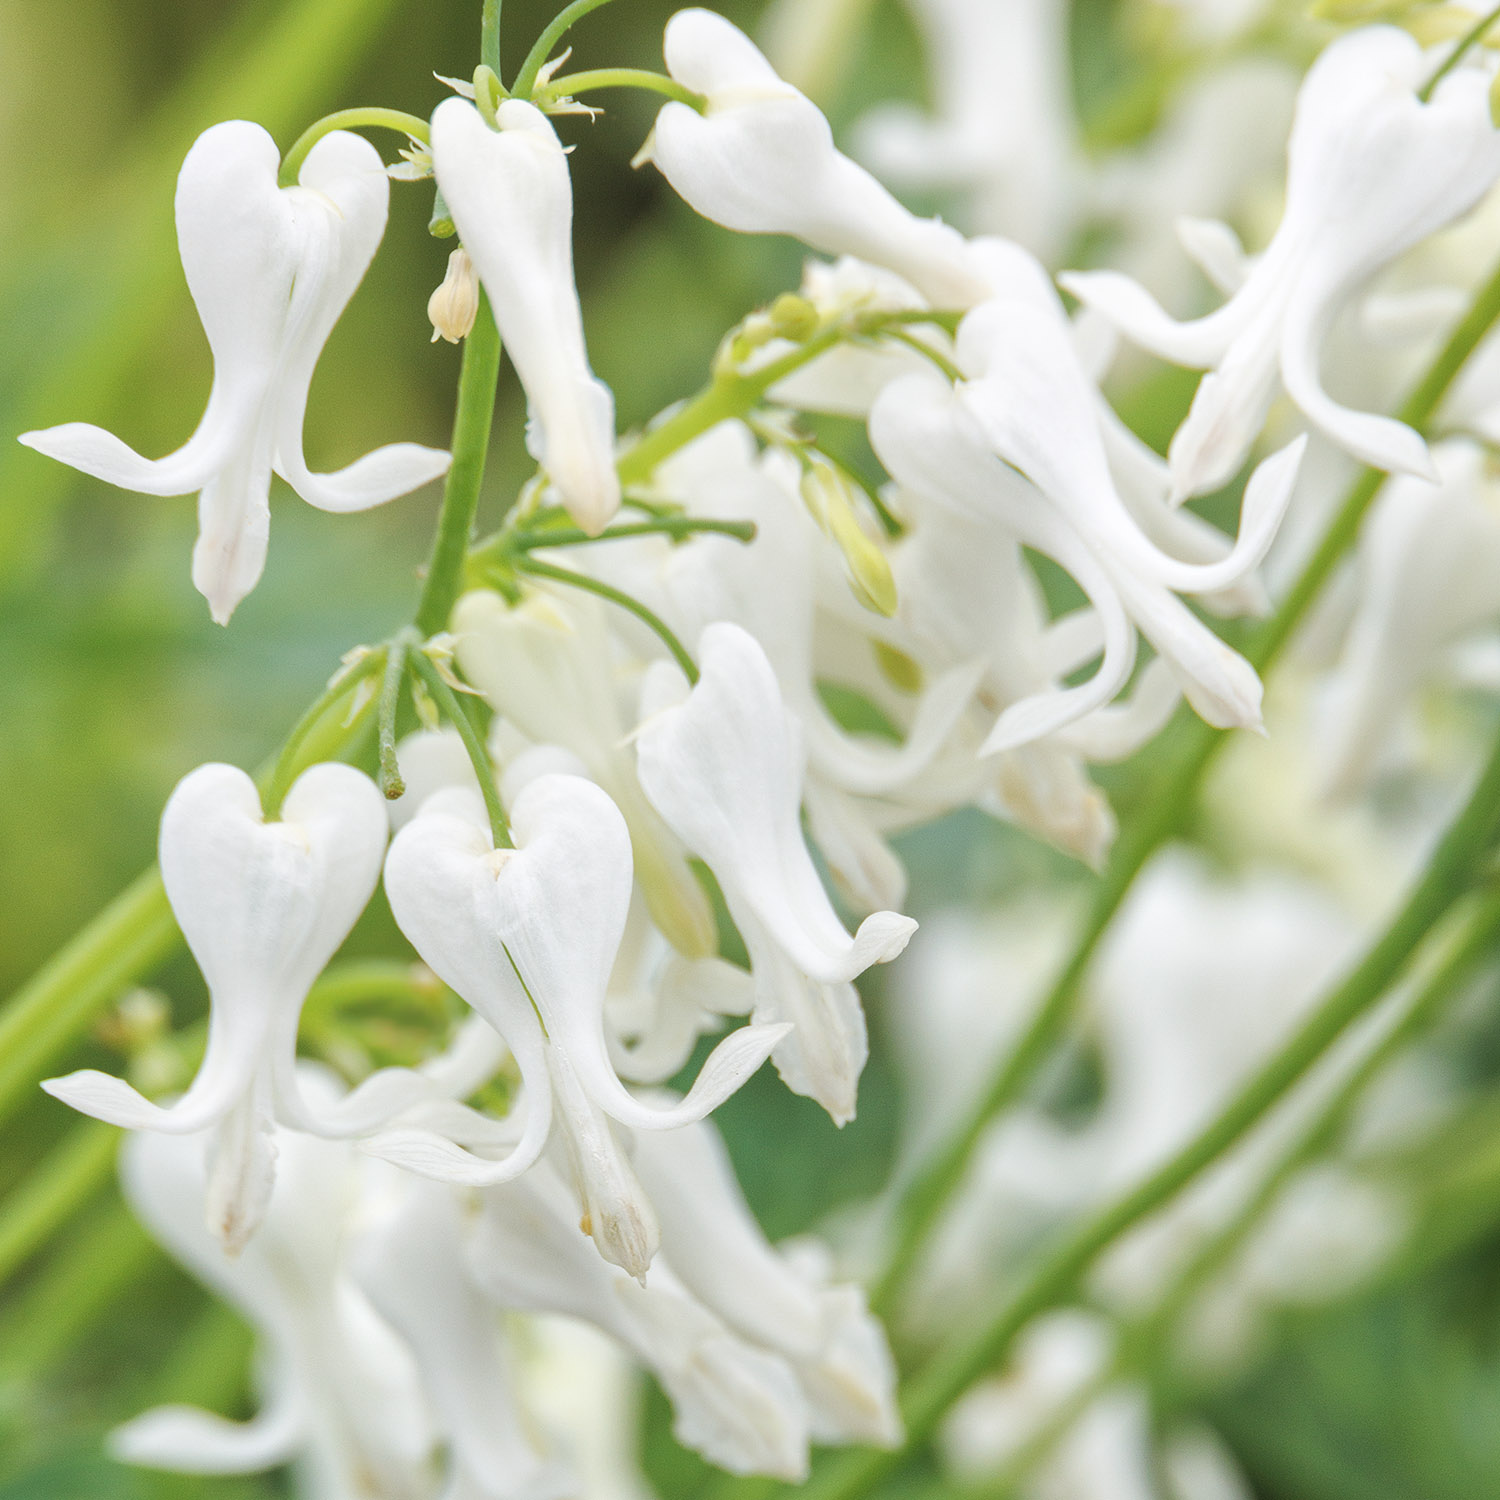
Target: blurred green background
[(114, 683)]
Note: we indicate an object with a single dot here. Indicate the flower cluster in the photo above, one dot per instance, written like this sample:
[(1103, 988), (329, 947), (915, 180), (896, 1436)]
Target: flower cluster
[(711, 671)]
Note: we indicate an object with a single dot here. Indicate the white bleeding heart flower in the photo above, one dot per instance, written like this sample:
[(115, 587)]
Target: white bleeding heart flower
[(761, 159), (725, 769), (263, 906), (544, 666), (410, 1263), (779, 1299), (738, 1405), (270, 270), (512, 199), (528, 937), (1372, 170), (340, 1394), (1029, 403)]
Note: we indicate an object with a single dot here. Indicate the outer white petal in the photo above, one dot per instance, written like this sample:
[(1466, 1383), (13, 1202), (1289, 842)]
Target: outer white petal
[(512, 200), (188, 1440), (340, 212)]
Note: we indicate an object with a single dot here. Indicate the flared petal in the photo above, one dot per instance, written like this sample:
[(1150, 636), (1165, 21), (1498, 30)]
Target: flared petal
[(512, 200), (188, 1440)]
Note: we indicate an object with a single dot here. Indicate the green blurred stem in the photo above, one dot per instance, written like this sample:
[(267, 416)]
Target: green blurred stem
[(414, 127), (649, 618), (1454, 866), (478, 376), (333, 705), (392, 678), (1466, 43), (54, 1190), (1190, 749), (93, 1267), (496, 548), (572, 84), (557, 28), (360, 981), (479, 756), (489, 36)]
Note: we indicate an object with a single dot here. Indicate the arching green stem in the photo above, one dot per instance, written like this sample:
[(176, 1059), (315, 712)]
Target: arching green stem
[(570, 85), (1466, 43), (414, 127), (556, 29)]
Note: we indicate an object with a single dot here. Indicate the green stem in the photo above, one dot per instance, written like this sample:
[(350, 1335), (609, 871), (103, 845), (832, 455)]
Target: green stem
[(478, 377), (479, 755), (1454, 866), (495, 548), (570, 85), (72, 1173), (556, 29), (390, 702), (1188, 753), (333, 703), (44, 1018), (360, 981), (1466, 44), (89, 1272), (489, 36), (414, 127), (538, 569)]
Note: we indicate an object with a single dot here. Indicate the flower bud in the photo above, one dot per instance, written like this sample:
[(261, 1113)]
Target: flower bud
[(455, 304), (829, 494)]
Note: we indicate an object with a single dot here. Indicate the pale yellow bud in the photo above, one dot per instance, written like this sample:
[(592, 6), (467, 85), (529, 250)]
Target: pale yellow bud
[(455, 304), (829, 494)]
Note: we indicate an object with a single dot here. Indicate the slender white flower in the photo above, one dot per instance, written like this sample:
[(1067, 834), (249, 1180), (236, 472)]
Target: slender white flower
[(410, 1263), (340, 1394), (512, 199), (779, 1299), (761, 159), (528, 937), (1428, 577), (263, 907), (725, 769), (1030, 404), (738, 1405), (1372, 171), (270, 270)]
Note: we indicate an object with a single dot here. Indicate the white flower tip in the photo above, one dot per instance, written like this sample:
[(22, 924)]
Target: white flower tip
[(627, 1236), (882, 936)]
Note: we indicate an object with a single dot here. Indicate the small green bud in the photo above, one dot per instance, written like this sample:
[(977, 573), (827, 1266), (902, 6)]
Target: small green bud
[(440, 226), (829, 494), (793, 317)]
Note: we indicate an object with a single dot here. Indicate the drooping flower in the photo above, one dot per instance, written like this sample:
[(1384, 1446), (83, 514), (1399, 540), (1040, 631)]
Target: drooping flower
[(270, 270), (761, 159), (528, 938), (1372, 171), (1029, 403), (781, 1299), (340, 1394), (263, 907), (738, 1405), (512, 199), (725, 769)]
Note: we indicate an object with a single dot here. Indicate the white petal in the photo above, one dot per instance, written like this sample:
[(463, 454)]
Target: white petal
[(512, 199)]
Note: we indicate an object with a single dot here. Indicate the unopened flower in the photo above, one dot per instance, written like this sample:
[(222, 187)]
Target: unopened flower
[(270, 270), (1372, 171), (725, 768), (452, 308), (512, 199), (528, 937)]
